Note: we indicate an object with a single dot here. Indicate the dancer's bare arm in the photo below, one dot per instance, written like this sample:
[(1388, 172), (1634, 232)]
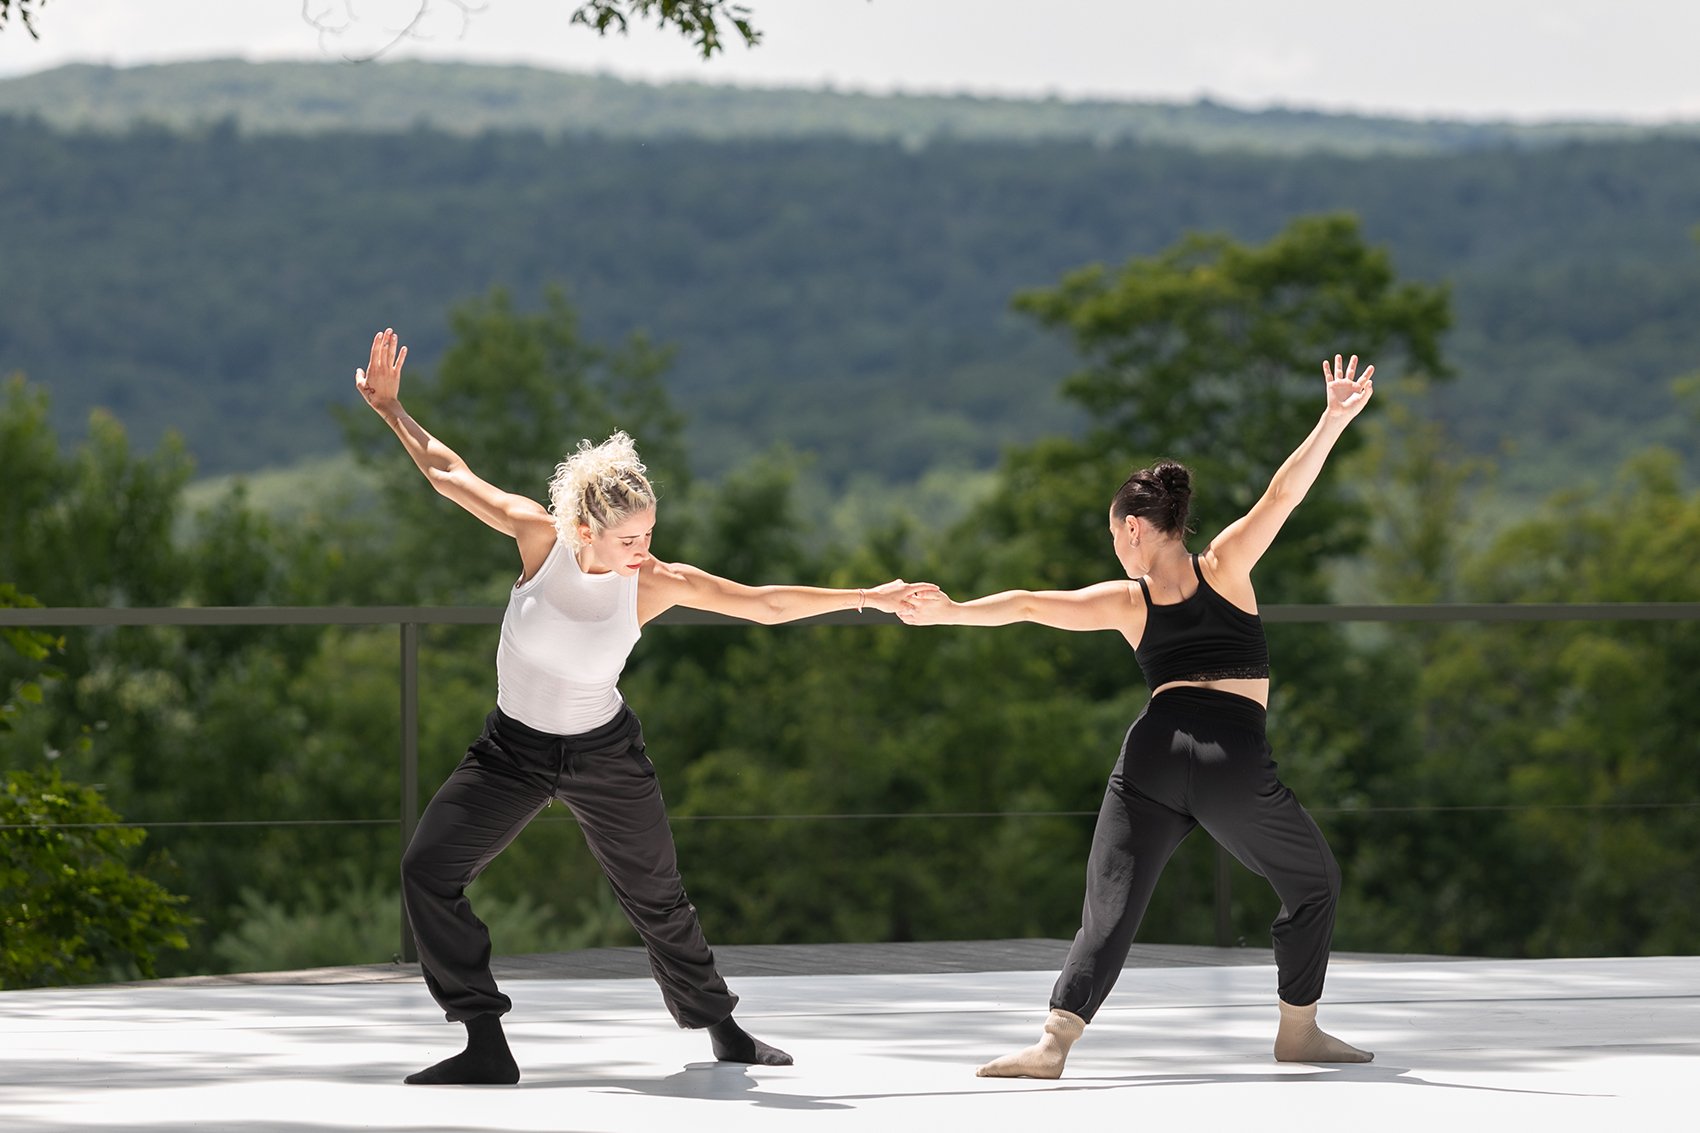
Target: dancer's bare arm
[(666, 585), (525, 520), (1107, 605), (1233, 553)]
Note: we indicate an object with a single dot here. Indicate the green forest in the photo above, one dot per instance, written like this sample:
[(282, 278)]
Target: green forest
[(399, 95), (846, 360)]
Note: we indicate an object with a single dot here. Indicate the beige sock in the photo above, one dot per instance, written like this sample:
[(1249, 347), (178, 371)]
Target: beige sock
[(1044, 1059), (1299, 1039)]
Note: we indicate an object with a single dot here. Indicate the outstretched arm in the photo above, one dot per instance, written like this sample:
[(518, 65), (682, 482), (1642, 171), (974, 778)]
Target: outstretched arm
[(1107, 605), (525, 520), (1242, 543), (666, 585)]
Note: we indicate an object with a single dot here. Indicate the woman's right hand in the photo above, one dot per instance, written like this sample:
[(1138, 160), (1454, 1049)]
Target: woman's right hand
[(927, 608), (380, 382)]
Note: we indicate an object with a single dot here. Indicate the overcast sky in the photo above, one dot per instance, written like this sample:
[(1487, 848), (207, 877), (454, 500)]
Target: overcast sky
[(1528, 60)]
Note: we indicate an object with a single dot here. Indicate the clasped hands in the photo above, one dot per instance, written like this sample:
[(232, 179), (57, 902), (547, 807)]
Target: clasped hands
[(914, 603)]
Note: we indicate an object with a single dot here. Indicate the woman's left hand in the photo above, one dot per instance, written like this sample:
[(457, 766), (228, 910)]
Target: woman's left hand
[(892, 596), (380, 382), (1348, 391)]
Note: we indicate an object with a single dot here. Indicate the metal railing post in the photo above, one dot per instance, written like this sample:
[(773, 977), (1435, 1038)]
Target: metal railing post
[(1224, 900), (409, 762)]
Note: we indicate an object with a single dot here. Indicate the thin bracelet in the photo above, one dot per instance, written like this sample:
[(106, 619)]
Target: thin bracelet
[(861, 599)]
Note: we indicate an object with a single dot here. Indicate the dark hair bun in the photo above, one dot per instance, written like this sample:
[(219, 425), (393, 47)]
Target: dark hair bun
[(1161, 494), (1174, 478)]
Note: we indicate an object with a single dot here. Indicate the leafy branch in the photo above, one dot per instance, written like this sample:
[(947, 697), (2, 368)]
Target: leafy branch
[(706, 23), (25, 12), (701, 20)]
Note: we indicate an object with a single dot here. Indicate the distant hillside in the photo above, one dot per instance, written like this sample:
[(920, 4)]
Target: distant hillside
[(847, 298), (468, 99)]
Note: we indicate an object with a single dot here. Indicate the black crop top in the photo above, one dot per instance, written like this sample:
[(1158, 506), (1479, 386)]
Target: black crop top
[(1202, 638)]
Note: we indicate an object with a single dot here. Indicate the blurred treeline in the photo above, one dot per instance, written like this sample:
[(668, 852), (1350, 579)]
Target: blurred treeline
[(465, 98), (1519, 790)]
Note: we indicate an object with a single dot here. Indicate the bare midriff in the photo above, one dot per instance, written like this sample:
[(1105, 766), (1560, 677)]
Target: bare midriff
[(1252, 689)]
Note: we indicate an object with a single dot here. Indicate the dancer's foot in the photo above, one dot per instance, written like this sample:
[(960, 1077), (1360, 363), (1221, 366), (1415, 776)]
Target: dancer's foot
[(486, 1061), (1299, 1039), (1045, 1058), (734, 1044)]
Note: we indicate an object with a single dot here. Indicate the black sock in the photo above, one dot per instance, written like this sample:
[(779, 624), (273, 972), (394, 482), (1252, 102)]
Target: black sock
[(734, 1044), (486, 1061)]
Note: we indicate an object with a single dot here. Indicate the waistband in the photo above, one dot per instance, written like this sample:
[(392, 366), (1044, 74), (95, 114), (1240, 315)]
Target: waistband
[(1215, 704), (521, 733)]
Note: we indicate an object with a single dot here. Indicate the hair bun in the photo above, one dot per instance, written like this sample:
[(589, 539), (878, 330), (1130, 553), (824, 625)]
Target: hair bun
[(1174, 477)]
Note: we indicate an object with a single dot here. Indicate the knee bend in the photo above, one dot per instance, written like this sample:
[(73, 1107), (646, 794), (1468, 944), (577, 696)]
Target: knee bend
[(420, 869), (1325, 894)]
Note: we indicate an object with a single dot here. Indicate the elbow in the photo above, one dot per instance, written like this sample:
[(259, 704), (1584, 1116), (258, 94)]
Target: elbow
[(1283, 497), (441, 479), (1026, 607)]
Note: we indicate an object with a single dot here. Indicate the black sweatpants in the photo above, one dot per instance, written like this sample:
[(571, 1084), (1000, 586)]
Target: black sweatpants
[(507, 777), (1199, 757)]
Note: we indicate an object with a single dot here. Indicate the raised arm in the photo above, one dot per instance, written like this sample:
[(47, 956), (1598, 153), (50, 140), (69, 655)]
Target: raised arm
[(525, 520), (1106, 605), (1242, 543), (666, 585)]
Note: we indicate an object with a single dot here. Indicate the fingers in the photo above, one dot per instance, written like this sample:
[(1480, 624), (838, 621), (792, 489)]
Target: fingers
[(1344, 370), (914, 615), (386, 360)]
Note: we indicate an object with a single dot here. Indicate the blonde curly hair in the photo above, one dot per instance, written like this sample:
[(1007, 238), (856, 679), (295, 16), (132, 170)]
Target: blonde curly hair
[(598, 486)]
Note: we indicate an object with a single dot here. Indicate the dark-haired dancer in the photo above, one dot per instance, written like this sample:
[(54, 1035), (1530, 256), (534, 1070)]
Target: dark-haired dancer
[(1197, 755), (561, 730)]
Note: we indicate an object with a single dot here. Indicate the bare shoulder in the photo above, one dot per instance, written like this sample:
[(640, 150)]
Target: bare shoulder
[(536, 537), (1121, 596), (657, 573), (663, 585), (532, 526), (531, 519), (1115, 590), (1228, 581)]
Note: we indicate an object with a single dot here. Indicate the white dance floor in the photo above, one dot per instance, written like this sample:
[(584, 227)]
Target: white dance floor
[(1599, 1044)]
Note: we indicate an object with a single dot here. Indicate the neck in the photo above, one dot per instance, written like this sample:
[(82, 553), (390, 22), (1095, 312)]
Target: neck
[(1169, 560)]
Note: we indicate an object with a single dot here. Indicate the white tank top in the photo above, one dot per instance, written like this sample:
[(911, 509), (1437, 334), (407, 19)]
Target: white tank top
[(565, 638)]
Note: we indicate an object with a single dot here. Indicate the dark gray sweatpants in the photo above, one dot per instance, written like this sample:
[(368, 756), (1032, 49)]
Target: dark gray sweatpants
[(507, 777), (1199, 757)]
